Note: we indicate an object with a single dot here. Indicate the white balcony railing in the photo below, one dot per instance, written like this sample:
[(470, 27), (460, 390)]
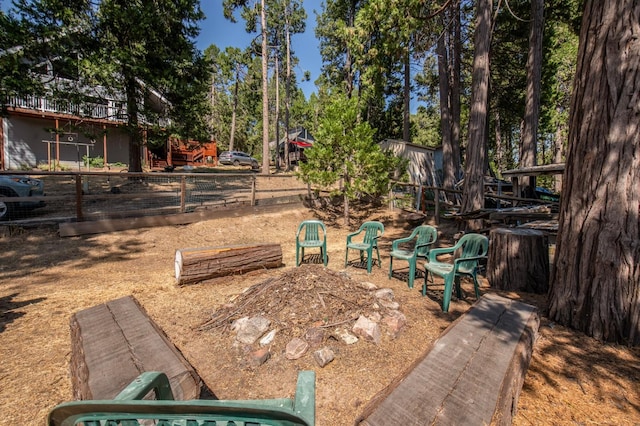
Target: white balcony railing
[(112, 111)]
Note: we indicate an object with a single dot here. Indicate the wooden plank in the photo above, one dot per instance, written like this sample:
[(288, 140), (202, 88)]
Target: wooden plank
[(113, 343), (198, 264), (98, 341), (472, 374), (71, 229)]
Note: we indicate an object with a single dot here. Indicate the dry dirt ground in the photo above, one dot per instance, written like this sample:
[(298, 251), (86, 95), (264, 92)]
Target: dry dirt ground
[(44, 279)]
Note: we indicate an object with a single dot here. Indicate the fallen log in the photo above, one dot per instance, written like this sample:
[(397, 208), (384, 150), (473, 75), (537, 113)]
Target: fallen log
[(194, 265)]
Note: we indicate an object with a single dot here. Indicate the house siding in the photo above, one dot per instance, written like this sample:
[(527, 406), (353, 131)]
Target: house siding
[(422, 166), (25, 143)]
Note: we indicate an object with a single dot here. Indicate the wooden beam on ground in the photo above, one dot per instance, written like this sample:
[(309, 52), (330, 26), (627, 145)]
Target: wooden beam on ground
[(112, 343), (199, 264), (472, 374), (72, 229)]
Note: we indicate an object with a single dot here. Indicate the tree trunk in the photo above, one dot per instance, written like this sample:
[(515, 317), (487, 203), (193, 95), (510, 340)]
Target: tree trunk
[(454, 84), (518, 260), (406, 111), (265, 92), (287, 101), (135, 134), (595, 286), (532, 104), (473, 193), (232, 133), (445, 114), (277, 112)]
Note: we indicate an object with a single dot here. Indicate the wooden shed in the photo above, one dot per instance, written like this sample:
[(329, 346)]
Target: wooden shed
[(422, 166)]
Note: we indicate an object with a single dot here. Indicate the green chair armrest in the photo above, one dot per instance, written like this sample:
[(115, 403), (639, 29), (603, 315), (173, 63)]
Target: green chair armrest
[(418, 246), (468, 259), (434, 253), (396, 243), (146, 382)]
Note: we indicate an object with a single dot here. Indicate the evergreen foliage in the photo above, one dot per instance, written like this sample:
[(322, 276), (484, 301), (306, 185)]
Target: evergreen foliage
[(345, 158), (141, 53)]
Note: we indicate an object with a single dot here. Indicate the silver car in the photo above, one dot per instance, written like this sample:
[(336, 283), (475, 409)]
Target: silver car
[(238, 158), (19, 186)]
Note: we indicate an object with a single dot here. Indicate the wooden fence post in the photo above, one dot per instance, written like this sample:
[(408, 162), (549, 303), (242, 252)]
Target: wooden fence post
[(253, 191), (79, 197), (183, 194), (437, 203)]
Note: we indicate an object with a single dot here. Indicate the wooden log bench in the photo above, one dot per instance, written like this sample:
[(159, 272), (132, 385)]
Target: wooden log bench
[(113, 343), (471, 375), (194, 265)]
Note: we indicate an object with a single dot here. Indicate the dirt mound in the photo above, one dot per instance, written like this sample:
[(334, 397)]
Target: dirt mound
[(297, 302)]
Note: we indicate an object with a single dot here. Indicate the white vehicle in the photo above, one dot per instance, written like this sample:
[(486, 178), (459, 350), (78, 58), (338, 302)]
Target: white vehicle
[(238, 158)]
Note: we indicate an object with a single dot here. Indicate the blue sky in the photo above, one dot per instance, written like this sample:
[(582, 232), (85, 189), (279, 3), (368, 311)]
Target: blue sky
[(215, 29)]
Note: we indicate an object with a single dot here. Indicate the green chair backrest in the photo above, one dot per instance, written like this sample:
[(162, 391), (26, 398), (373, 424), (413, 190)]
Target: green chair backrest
[(372, 230), (425, 234), (129, 408), (471, 245), (312, 230)]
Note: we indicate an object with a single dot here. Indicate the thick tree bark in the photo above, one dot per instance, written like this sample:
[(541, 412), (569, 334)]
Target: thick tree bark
[(473, 193), (519, 260), (595, 285)]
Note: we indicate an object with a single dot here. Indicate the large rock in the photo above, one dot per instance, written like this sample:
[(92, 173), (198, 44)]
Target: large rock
[(367, 329)]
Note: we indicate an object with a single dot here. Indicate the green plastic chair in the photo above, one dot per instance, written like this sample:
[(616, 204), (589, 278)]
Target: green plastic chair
[(364, 240), (130, 409), (422, 237), (467, 252), (315, 235)]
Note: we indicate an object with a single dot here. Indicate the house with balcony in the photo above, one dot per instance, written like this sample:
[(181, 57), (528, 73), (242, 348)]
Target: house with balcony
[(40, 132)]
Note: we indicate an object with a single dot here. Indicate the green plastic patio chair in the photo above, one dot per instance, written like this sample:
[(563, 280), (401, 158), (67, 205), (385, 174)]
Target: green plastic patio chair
[(411, 248), (311, 233), (365, 239), (130, 409), (467, 253)]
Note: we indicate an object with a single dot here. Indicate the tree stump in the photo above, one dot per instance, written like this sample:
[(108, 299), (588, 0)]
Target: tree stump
[(518, 260), (198, 264)]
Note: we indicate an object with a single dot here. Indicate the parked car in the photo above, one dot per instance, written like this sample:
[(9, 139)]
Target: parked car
[(238, 158), (19, 186)]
